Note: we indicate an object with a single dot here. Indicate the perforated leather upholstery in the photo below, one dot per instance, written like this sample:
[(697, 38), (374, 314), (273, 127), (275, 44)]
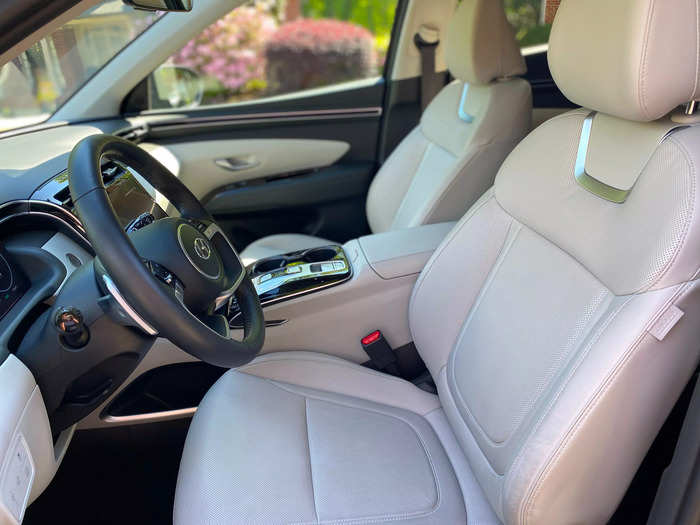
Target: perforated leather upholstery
[(442, 167)]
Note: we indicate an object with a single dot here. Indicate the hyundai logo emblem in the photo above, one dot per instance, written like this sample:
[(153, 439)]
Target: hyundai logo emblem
[(202, 248)]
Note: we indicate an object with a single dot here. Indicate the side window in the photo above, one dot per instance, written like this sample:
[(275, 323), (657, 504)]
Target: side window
[(266, 48), (532, 20)]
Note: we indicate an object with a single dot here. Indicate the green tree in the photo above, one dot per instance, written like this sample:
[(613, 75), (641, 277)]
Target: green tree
[(375, 15), (525, 15)]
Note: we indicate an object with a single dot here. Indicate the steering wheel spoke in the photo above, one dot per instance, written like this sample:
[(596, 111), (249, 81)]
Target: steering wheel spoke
[(234, 269)]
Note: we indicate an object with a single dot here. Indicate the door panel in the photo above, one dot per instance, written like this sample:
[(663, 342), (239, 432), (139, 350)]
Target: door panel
[(206, 166), (328, 202), (314, 170)]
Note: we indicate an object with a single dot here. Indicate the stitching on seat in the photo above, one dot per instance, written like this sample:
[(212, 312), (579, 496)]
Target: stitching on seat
[(308, 448), (403, 204), (583, 353), (387, 517), (351, 367), (663, 272), (446, 242), (513, 233), (643, 59), (583, 415), (455, 390), (686, 227), (327, 360)]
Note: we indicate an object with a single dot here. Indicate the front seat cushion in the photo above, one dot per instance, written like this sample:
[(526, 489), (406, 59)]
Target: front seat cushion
[(262, 451)]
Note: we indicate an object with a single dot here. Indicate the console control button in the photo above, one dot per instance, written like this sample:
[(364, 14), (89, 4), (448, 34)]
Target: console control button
[(18, 479), (338, 265), (265, 278), (293, 269)]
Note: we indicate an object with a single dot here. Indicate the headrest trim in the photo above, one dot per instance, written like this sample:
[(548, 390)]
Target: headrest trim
[(466, 117)]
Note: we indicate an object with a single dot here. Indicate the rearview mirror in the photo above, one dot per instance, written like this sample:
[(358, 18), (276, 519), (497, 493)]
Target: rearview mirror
[(161, 5)]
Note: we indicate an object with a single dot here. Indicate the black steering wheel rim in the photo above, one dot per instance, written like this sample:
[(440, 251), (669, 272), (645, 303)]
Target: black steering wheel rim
[(125, 265)]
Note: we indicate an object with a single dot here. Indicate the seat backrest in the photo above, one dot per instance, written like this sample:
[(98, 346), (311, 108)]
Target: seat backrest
[(559, 321), (442, 167)]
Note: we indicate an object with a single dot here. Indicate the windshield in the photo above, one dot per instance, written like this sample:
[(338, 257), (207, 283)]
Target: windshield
[(37, 82)]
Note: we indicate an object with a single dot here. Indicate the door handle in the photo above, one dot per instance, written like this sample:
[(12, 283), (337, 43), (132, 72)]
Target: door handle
[(243, 162)]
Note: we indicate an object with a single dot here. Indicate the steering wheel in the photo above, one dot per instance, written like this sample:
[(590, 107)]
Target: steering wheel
[(173, 273)]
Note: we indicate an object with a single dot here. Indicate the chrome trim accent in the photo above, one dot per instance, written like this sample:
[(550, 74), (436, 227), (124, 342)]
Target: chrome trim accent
[(150, 416), (268, 324), (119, 298), (596, 187), (12, 275), (303, 274), (224, 296), (33, 207), (306, 292), (290, 296), (589, 183), (252, 118), (466, 117), (373, 110), (201, 246), (238, 163), (196, 267)]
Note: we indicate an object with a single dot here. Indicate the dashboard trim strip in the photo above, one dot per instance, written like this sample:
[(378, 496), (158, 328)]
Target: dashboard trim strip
[(114, 291), (150, 416), (34, 207), (216, 121)]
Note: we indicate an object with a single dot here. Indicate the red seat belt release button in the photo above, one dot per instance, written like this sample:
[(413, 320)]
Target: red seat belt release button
[(379, 351), (371, 338)]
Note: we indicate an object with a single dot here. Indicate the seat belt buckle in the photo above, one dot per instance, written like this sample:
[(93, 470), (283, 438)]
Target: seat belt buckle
[(378, 350)]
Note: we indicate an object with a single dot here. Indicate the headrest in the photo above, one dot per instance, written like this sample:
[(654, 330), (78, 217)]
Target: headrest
[(633, 59), (481, 44)]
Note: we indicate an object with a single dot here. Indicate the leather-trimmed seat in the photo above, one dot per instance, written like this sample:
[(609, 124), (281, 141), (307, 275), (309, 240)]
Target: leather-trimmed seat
[(296, 439), (442, 167), (560, 324)]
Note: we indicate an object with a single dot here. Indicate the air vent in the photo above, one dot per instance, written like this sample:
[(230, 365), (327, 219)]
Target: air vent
[(63, 197), (110, 172)]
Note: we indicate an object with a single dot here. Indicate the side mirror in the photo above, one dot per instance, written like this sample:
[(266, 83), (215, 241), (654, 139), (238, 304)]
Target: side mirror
[(175, 87), (161, 5)]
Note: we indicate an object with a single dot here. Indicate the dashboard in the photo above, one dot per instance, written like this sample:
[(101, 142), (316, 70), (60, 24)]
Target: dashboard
[(42, 244), (50, 208)]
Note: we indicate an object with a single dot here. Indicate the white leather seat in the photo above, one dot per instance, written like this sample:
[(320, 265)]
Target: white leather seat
[(442, 167), (560, 326)]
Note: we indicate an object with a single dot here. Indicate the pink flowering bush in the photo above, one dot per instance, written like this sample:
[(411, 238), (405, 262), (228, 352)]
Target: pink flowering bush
[(309, 53), (231, 52)]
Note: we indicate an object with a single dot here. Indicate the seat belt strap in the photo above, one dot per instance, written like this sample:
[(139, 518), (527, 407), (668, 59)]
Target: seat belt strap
[(426, 40)]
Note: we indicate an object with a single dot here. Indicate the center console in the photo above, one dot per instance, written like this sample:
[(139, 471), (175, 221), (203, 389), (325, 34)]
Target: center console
[(326, 299), (284, 277)]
